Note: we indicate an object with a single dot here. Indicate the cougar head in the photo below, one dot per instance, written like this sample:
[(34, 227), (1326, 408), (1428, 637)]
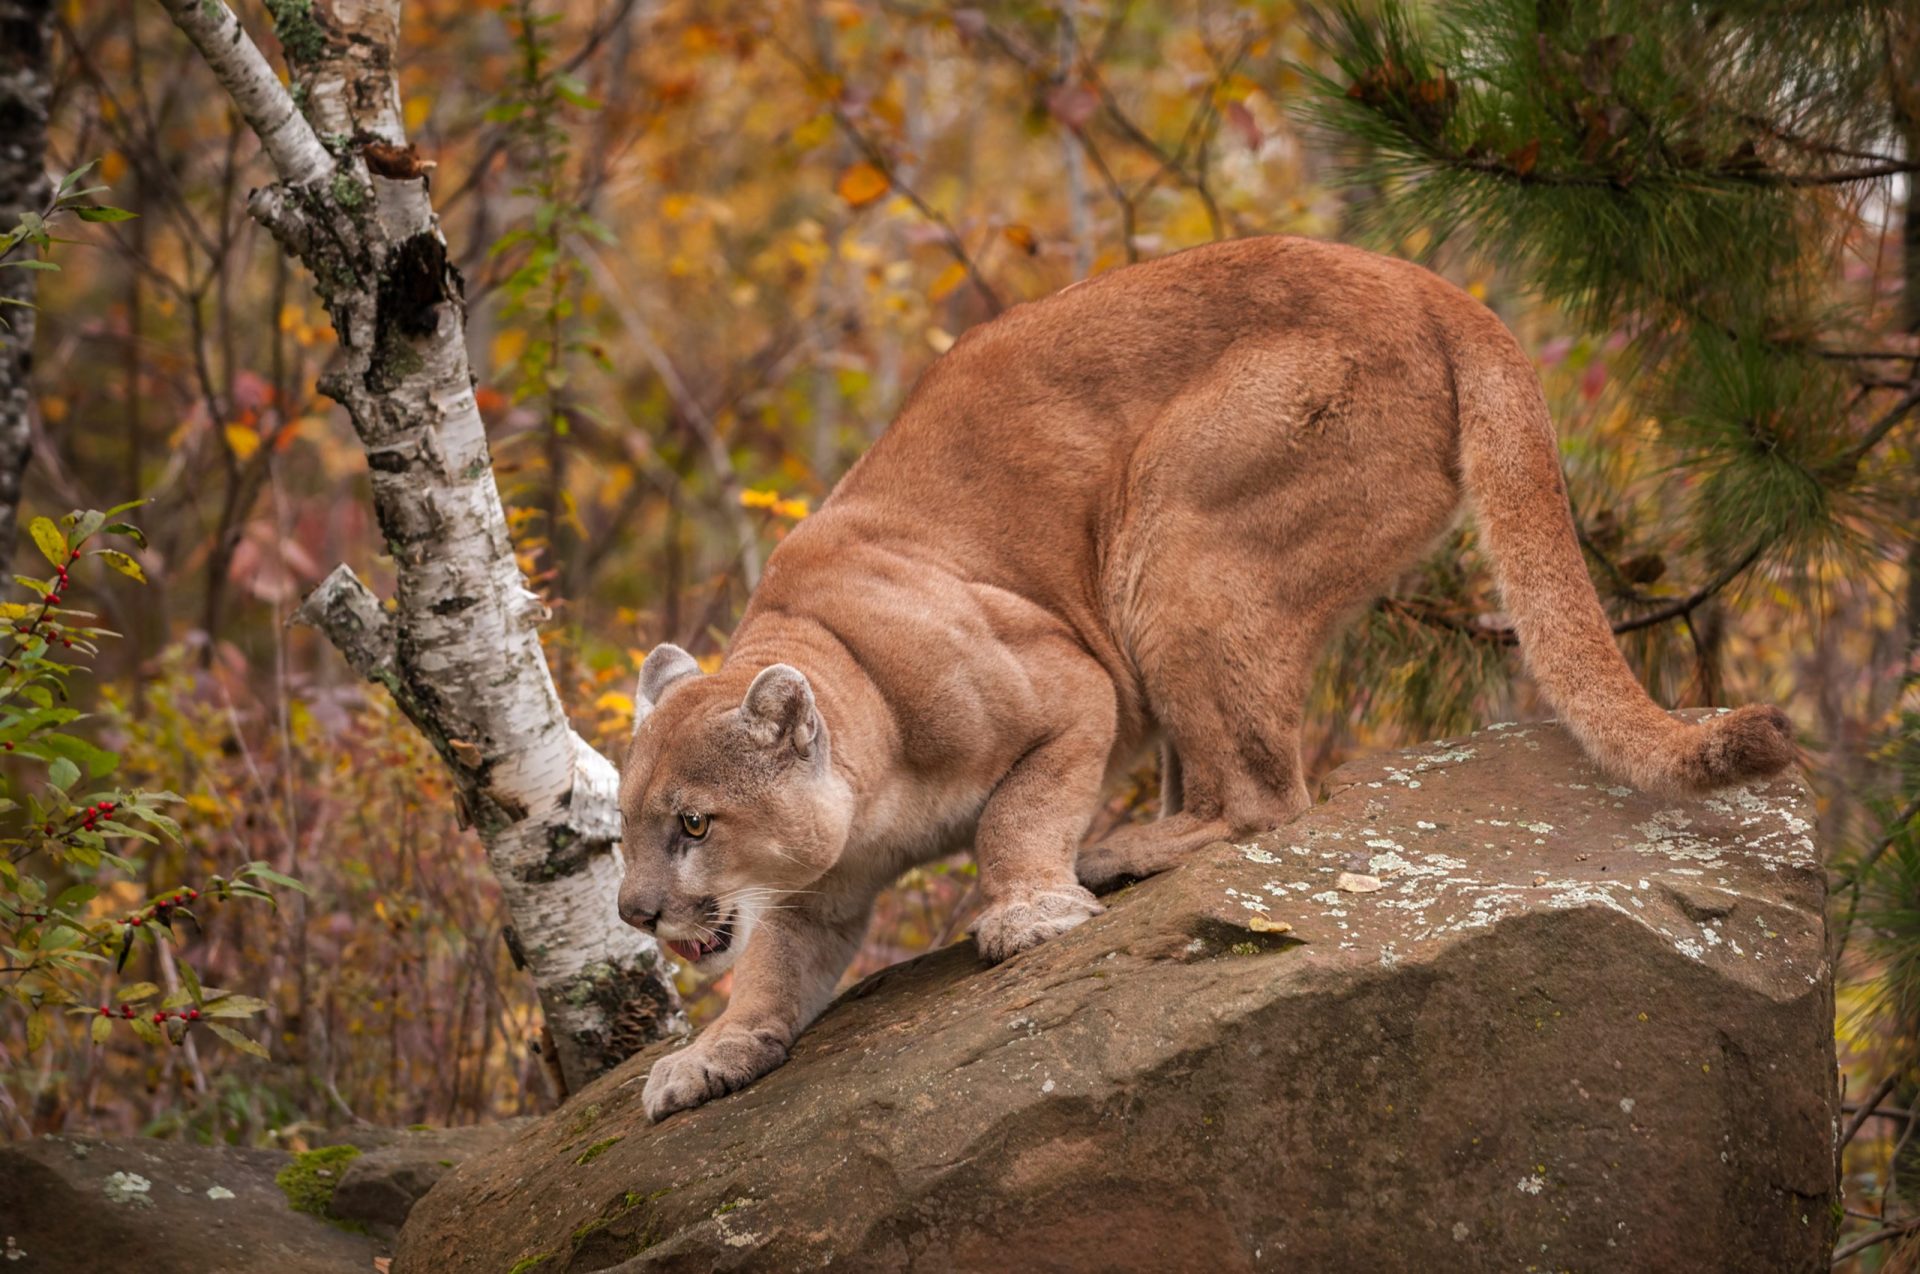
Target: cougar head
[(728, 800)]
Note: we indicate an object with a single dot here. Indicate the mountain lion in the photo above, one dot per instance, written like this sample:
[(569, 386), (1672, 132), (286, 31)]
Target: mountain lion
[(1134, 510)]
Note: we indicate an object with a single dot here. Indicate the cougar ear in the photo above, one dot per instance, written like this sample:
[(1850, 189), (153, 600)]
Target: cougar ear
[(665, 668), (779, 709)]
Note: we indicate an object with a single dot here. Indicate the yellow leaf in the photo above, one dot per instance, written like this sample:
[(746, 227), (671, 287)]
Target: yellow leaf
[(795, 508), (861, 184), (418, 108), (508, 346), (710, 664), (950, 278), (244, 440), (759, 499), (615, 701), (814, 131)]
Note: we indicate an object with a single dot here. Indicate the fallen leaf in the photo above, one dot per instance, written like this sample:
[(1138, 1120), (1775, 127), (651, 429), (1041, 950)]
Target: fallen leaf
[(1354, 883), (1266, 924)]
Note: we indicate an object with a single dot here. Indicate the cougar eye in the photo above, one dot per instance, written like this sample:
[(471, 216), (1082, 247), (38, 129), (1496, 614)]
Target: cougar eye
[(694, 825)]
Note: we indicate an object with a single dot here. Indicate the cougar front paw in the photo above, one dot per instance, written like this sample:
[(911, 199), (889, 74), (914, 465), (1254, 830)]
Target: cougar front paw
[(708, 1068), (1008, 928)]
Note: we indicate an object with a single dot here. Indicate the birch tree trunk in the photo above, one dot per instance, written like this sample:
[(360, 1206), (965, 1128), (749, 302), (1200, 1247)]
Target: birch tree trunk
[(459, 650), (26, 34)]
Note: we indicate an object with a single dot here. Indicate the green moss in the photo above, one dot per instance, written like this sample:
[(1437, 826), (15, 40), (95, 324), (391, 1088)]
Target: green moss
[(309, 1179), (730, 1205), (419, 1127), (594, 1151), (300, 35), (526, 1263), (582, 1119), (347, 190), (1245, 948)]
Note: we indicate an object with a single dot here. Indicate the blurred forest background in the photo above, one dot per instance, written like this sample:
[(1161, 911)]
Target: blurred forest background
[(707, 250)]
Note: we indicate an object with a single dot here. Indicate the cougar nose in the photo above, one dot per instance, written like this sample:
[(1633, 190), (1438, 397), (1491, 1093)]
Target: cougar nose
[(638, 909)]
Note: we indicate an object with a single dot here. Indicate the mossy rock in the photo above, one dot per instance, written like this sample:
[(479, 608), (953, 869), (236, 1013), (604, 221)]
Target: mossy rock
[(311, 1178)]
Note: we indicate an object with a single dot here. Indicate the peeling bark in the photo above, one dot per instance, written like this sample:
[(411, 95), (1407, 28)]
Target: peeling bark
[(459, 651), (26, 34)]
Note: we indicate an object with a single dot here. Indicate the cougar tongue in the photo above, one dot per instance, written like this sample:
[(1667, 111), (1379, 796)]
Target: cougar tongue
[(686, 950)]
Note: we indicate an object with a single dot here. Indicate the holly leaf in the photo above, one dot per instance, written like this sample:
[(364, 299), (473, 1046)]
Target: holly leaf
[(121, 562), (244, 1043), (52, 544)]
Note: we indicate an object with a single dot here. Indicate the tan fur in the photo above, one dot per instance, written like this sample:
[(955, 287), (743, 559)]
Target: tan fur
[(1140, 506)]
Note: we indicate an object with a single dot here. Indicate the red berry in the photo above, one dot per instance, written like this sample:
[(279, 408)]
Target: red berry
[(75, 557), (126, 1010), (159, 1017), (47, 828), (8, 746), (105, 1011), (53, 598), (193, 1015)]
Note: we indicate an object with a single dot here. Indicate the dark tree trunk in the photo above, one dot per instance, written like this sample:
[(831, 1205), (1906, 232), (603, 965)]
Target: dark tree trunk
[(26, 37)]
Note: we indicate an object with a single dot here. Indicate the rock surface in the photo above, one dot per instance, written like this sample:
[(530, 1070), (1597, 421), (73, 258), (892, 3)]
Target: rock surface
[(70, 1205), (1574, 1027), (398, 1166)]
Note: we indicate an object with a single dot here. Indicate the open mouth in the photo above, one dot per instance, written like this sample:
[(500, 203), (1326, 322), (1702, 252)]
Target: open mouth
[(694, 951)]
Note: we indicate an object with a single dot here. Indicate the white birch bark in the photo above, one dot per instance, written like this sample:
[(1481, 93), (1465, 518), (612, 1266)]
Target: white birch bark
[(460, 649)]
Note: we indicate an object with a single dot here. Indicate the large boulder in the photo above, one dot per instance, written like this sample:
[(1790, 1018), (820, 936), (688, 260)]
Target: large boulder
[(1481, 1009), (74, 1205)]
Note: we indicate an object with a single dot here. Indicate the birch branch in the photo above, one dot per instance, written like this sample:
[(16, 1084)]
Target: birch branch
[(236, 61)]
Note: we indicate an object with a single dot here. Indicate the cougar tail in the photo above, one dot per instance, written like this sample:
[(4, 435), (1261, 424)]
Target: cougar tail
[(1511, 468)]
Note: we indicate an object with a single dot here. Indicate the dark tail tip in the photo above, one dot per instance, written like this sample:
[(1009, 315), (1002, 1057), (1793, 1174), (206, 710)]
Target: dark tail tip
[(1755, 742)]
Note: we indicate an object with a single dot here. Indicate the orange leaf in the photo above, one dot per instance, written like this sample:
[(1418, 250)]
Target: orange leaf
[(950, 278), (861, 184), (1021, 237), (1524, 159)]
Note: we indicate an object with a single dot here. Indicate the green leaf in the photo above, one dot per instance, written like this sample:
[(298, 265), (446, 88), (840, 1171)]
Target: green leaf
[(135, 991), (121, 562), (29, 263), (146, 1030), (101, 1028), (74, 178), (104, 213), (63, 773), (97, 761), (233, 1006), (127, 529), (268, 874), (53, 545), (36, 1029), (239, 1041), (192, 979)]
